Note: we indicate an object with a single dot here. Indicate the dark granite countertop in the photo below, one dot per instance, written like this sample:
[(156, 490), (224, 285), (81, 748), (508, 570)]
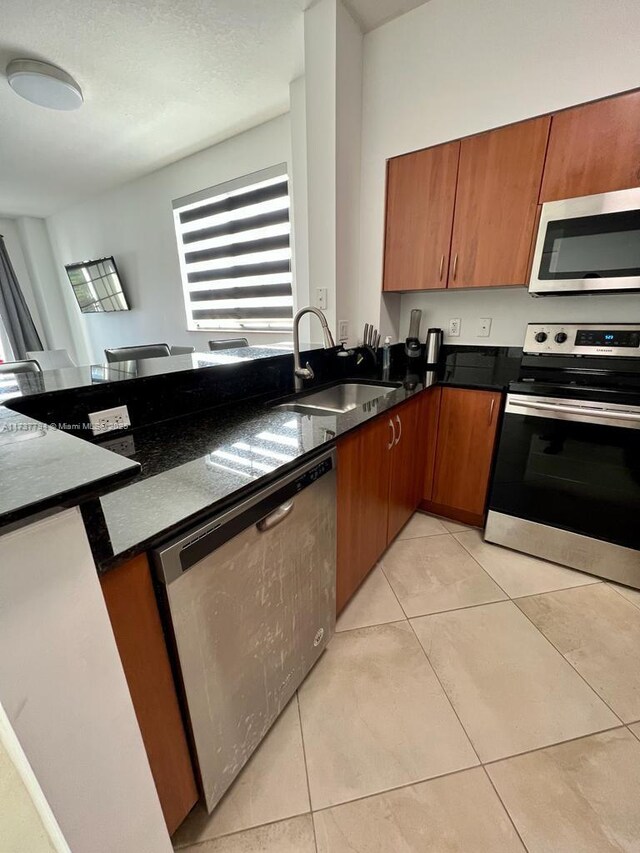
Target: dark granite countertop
[(16, 386), (188, 467), (201, 465), (483, 368), (42, 467)]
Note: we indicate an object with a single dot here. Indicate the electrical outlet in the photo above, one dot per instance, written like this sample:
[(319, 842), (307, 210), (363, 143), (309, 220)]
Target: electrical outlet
[(124, 445), (107, 420), (321, 298), (484, 327), (343, 330), (454, 327)]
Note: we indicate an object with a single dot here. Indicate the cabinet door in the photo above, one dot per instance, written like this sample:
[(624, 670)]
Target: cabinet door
[(407, 466), (363, 494), (496, 204), (466, 437), (133, 611), (594, 148), (421, 191)]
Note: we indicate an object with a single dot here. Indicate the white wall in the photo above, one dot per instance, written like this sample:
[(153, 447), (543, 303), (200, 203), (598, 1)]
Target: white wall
[(451, 68), (26, 820), (134, 223), (65, 694), (349, 50), (320, 95)]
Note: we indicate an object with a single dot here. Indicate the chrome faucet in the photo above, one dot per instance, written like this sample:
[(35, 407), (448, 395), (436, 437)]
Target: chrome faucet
[(299, 372)]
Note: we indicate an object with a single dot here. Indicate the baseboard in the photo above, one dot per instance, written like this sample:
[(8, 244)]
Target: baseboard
[(455, 514)]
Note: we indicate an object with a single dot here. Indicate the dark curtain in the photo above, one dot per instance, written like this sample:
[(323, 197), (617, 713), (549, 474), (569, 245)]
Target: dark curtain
[(14, 312)]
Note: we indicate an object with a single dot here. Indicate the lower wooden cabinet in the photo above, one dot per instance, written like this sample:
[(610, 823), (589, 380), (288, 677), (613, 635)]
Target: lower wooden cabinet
[(133, 611), (380, 475), (466, 435), (364, 462), (407, 464)]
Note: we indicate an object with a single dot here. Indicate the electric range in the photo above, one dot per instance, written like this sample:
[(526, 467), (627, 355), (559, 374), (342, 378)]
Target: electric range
[(566, 480)]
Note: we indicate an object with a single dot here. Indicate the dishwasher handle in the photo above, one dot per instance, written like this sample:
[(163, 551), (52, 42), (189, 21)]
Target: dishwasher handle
[(274, 518), (261, 511)]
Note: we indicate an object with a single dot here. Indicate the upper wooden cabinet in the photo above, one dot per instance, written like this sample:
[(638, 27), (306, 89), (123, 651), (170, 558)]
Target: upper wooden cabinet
[(464, 214), (496, 203), (594, 148), (421, 191)]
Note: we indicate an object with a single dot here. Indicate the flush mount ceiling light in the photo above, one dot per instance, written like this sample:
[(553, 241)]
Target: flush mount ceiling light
[(44, 84)]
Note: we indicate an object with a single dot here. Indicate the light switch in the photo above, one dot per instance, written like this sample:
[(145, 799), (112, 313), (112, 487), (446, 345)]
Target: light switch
[(321, 298)]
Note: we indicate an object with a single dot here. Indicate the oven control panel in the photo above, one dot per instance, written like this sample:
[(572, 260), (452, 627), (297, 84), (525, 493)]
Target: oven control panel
[(593, 339)]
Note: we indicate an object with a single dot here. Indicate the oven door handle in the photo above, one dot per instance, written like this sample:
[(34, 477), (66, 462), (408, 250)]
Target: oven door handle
[(581, 414)]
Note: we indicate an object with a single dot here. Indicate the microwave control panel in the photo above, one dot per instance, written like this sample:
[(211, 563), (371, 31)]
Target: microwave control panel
[(615, 339)]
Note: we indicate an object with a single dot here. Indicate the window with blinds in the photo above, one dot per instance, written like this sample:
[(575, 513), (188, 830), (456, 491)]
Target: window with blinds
[(234, 242)]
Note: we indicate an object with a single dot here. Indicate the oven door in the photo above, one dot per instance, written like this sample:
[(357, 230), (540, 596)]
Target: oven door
[(589, 243), (570, 464)]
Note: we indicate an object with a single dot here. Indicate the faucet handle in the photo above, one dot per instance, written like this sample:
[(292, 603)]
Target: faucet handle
[(305, 372)]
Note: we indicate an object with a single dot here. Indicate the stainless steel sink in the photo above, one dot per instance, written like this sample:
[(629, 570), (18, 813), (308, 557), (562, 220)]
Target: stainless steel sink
[(337, 399)]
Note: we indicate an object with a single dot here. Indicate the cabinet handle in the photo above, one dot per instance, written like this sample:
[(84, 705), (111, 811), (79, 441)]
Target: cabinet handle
[(455, 266), (441, 267), (493, 402), (393, 435), (399, 429)]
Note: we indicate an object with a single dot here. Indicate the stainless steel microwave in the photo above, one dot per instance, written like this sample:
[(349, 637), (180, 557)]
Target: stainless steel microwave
[(588, 244)]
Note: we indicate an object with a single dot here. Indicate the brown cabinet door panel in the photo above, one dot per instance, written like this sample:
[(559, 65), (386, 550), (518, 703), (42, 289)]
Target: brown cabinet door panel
[(133, 611), (407, 466), (363, 497), (421, 191), (498, 186), (466, 438), (594, 148)]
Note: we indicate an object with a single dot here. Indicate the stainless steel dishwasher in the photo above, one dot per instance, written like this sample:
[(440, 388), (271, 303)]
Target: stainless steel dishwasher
[(251, 595)]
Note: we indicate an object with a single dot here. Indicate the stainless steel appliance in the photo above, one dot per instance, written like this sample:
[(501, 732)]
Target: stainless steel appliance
[(431, 355), (566, 482), (251, 596), (588, 244)]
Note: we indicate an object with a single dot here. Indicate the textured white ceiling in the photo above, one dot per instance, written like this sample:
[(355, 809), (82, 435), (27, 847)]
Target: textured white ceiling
[(161, 79), (373, 13)]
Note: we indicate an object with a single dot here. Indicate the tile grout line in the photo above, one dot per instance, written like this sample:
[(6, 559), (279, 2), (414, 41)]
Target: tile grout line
[(374, 625), (421, 781), (483, 765), (504, 806), (553, 645), (478, 563), (446, 695), (384, 791), (552, 745), (529, 594), (617, 591), (306, 770), (514, 600), (421, 536)]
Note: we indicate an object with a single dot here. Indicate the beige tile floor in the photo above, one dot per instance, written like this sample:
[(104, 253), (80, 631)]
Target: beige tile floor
[(472, 700)]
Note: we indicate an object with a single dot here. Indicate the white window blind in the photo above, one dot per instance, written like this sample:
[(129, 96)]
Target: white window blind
[(234, 242)]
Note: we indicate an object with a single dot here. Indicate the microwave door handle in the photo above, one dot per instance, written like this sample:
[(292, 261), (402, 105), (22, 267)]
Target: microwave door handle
[(591, 412)]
